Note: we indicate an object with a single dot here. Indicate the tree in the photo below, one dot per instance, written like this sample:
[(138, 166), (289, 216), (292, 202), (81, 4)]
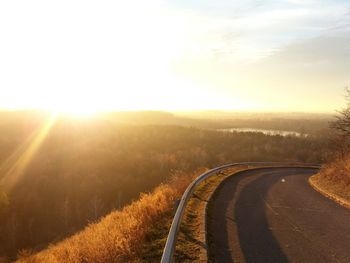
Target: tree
[(4, 201), (342, 127)]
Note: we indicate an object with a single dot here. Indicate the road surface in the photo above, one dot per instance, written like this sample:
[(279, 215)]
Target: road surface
[(273, 215)]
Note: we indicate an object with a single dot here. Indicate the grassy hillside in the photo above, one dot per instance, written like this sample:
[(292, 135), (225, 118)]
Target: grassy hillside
[(122, 235), (334, 181)]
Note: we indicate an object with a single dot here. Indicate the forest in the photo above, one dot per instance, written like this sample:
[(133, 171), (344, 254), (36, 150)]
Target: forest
[(85, 168)]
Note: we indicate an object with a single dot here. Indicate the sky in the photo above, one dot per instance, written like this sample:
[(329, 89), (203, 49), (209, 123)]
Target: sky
[(86, 56)]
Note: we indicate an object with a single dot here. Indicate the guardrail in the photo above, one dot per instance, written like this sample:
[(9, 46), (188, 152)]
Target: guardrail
[(169, 249)]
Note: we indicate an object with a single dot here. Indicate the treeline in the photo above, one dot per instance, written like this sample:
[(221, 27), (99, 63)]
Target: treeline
[(86, 168), (317, 124)]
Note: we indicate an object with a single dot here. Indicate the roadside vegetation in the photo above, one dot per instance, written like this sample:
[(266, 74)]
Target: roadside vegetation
[(86, 168), (192, 244), (333, 180), (137, 233)]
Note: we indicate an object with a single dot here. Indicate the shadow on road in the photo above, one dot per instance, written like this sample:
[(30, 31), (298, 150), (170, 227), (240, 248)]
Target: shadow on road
[(273, 215), (239, 224), (256, 239)]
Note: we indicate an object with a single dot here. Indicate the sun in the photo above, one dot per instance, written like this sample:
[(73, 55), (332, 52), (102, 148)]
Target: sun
[(77, 110)]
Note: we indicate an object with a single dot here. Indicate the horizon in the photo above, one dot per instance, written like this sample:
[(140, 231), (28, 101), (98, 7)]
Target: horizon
[(175, 112)]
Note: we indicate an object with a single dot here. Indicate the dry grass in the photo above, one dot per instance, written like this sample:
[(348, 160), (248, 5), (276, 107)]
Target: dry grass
[(120, 236), (334, 180), (192, 244)]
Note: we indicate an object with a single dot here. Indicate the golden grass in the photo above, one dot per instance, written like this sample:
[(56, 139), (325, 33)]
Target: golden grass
[(192, 242), (333, 180), (120, 236)]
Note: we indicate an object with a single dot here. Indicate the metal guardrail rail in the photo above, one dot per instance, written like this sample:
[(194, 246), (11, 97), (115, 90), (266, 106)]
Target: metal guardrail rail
[(169, 249)]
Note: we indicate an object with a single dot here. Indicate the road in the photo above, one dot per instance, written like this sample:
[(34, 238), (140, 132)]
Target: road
[(274, 215)]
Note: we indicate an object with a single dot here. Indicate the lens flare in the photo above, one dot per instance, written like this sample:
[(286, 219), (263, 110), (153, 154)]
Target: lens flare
[(17, 163)]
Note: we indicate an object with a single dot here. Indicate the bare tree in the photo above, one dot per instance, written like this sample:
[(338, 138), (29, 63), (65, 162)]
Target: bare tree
[(342, 127), (13, 231), (66, 213), (96, 207)]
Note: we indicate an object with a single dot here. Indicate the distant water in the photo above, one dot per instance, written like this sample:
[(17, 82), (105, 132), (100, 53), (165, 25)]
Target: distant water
[(266, 132)]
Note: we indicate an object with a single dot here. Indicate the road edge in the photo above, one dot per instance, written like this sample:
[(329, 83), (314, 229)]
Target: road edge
[(339, 200), (196, 210), (204, 255)]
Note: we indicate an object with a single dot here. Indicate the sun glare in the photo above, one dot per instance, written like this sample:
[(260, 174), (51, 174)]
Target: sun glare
[(74, 107), (77, 112), (15, 166)]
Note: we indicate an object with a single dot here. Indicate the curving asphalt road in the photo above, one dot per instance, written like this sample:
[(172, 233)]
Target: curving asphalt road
[(273, 215)]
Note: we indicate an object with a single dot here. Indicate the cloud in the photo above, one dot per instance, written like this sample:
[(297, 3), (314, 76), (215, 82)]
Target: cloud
[(306, 75), (312, 72), (50, 49), (251, 30)]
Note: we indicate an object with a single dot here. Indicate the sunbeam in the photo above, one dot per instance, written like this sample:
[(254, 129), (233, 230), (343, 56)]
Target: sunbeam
[(17, 163)]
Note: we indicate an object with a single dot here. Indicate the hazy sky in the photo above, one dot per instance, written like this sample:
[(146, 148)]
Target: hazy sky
[(286, 55)]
